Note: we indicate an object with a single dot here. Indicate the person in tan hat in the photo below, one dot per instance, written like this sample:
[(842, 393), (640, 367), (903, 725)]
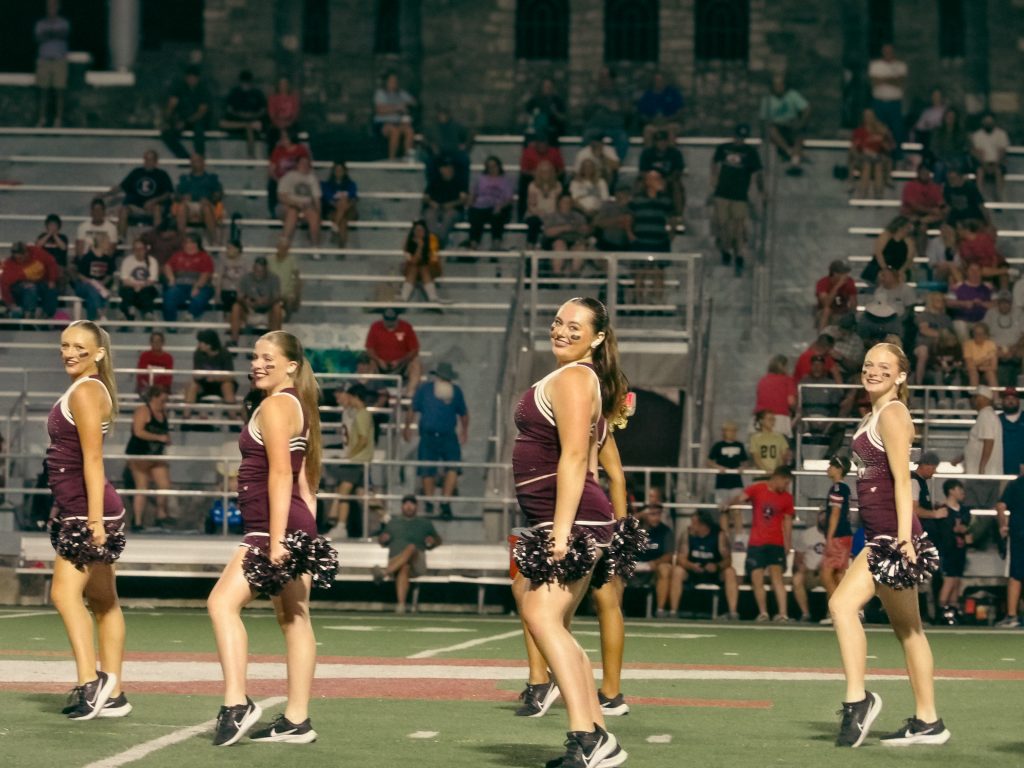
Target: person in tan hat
[(983, 453)]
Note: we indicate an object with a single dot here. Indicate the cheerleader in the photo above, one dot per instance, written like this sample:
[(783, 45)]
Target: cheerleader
[(554, 454), (281, 554), (87, 522), (896, 558)]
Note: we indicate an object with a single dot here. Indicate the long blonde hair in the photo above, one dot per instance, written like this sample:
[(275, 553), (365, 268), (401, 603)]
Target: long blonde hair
[(309, 395), (105, 366), (902, 389)]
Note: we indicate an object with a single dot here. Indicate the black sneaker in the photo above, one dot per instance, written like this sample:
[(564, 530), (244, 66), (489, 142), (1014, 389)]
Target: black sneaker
[(284, 731), (446, 511), (119, 706), (916, 731), (857, 719), (537, 699), (613, 707), (597, 749), (91, 697), (234, 722), (71, 702)]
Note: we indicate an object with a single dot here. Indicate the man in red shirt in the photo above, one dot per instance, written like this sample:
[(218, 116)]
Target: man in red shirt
[(393, 348), (922, 203), (28, 281), (836, 292), (820, 347), (154, 357), (771, 534), (189, 273), (977, 245)]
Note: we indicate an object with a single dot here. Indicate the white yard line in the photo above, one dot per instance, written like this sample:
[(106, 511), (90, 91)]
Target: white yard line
[(429, 654), (146, 748), (26, 614)]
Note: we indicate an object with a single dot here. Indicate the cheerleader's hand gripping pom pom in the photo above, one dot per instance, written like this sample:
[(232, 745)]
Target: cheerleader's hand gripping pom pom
[(72, 539), (628, 542), (313, 556), (890, 566), (265, 575), (534, 557)]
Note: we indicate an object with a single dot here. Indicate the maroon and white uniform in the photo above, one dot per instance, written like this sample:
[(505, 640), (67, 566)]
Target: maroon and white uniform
[(253, 492), (535, 459), (876, 493), (64, 464)]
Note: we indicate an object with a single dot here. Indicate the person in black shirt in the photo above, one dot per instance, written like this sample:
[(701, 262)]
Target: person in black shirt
[(732, 167), (728, 456), (1011, 528), (147, 190), (54, 242), (656, 563), (963, 200), (187, 107), (704, 556), (245, 109), (669, 161), (92, 276), (955, 518), (444, 201), (838, 532), (210, 355)]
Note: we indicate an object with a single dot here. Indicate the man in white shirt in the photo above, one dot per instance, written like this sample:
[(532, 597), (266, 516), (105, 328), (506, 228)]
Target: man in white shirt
[(888, 78), (298, 194), (604, 157), (988, 146), (983, 454), (1006, 328)]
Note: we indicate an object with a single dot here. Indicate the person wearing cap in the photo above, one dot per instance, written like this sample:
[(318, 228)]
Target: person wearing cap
[(660, 107), (407, 538), (28, 281), (357, 438), (733, 165), (1006, 327), (981, 357), (878, 321), (838, 531), (604, 157), (258, 301), (921, 494), (784, 112), (1013, 431), (836, 292), (704, 556), (654, 565), (668, 159), (954, 516), (443, 430), (983, 453), (394, 348), (895, 292)]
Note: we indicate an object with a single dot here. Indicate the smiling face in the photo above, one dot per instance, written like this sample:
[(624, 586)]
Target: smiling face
[(79, 352), (572, 333), (881, 373), (271, 370)]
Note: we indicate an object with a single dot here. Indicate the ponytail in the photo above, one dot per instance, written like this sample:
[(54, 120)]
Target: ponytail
[(105, 366), (614, 383)]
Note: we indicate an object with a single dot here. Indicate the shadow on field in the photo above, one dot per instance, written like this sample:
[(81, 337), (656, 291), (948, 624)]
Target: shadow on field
[(512, 755), (1009, 748), (821, 731), (46, 702)]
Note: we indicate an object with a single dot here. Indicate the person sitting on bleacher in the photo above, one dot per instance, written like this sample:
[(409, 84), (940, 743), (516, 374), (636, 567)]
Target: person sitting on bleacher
[(245, 109), (283, 158), (28, 282), (231, 268), (407, 538), (392, 116), (899, 295), (836, 293), (808, 554), (446, 139), (930, 323), (97, 224), (566, 230), (976, 244), (199, 199), (53, 241), (490, 202), (286, 267), (189, 276), (93, 276), (921, 202), (1006, 326), (541, 200), (210, 355), (963, 199), (394, 349), (187, 107), (654, 567), (660, 107), (147, 189), (163, 241), (602, 155), (422, 262), (820, 401), (154, 357), (968, 301), (703, 556), (258, 301), (614, 220), (444, 201), (339, 200), (668, 160), (298, 195), (140, 281), (588, 190), (283, 108), (537, 151)]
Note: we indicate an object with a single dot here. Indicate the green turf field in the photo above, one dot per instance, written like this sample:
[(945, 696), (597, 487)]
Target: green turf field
[(439, 691)]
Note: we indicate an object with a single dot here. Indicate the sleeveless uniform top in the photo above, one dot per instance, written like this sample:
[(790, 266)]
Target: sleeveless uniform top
[(64, 461), (876, 495), (704, 549), (535, 459), (139, 446), (253, 491)]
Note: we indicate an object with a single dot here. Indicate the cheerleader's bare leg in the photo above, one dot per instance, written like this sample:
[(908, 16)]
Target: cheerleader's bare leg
[(292, 608), (905, 617), (229, 596), (608, 604), (852, 594), (67, 593), (101, 597)]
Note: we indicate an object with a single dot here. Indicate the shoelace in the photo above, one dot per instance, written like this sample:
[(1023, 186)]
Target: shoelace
[(75, 696)]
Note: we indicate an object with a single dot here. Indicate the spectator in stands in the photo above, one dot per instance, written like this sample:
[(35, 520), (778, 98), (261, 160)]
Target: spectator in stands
[(614, 221), (339, 201), (245, 109), (358, 436), (187, 108), (97, 224), (163, 241), (188, 277), (150, 436), (588, 190), (537, 150), (602, 155), (878, 321), (566, 230), (654, 567), (608, 112), (200, 199), (209, 356), (776, 393), (820, 401), (733, 165), (147, 190), (227, 281), (298, 195), (848, 350), (976, 244), (1013, 431), (983, 453), (930, 323), (948, 145), (929, 121), (445, 139), (393, 348), (283, 108), (28, 282), (286, 267), (784, 112), (729, 456), (541, 200), (663, 156), (490, 203), (392, 116), (154, 357), (921, 494), (838, 531), (820, 347), (284, 157), (921, 202), (968, 301), (956, 519), (1011, 528), (53, 241), (981, 356), (870, 160), (963, 200), (443, 429), (51, 35), (140, 282), (946, 363), (837, 294), (769, 449), (444, 201), (888, 79), (808, 556), (660, 108), (1006, 326), (703, 556), (898, 295), (894, 250), (651, 209), (93, 276), (545, 112), (989, 145), (258, 301), (407, 538), (422, 263), (771, 534)]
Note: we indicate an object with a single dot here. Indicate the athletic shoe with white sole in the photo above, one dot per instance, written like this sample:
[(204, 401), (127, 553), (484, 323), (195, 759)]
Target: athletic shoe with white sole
[(857, 719), (92, 697), (613, 707), (597, 749), (234, 722), (284, 731), (119, 706), (916, 731), (537, 699)]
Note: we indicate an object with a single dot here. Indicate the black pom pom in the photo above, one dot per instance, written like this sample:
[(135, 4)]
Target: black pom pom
[(263, 575), (72, 539), (628, 542), (889, 566), (579, 559), (533, 556), (313, 556)]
